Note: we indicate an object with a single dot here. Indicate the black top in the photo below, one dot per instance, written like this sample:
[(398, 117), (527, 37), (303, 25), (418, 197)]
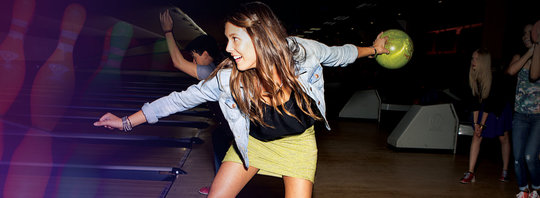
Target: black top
[(501, 92), (283, 124)]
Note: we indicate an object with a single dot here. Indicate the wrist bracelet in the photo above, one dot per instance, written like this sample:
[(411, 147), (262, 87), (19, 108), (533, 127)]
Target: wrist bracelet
[(375, 51), (126, 124), (482, 126), (165, 32)]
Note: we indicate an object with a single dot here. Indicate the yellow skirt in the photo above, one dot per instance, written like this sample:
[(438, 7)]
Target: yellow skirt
[(293, 156)]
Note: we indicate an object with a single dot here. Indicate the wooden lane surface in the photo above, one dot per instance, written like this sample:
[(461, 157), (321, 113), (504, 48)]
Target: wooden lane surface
[(177, 126), (95, 153), (71, 187)]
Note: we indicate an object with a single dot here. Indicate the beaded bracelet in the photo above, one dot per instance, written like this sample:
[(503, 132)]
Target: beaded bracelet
[(126, 124)]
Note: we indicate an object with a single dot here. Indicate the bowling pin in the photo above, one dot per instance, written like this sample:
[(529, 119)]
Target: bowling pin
[(12, 65), (55, 80), (121, 37), (116, 43), (106, 76), (52, 86), (12, 61)]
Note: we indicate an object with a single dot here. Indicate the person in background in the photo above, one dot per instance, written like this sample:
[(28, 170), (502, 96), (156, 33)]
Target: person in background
[(526, 121), (203, 48), (491, 111)]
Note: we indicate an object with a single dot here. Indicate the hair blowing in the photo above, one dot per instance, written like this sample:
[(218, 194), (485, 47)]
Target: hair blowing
[(273, 53), (480, 78)]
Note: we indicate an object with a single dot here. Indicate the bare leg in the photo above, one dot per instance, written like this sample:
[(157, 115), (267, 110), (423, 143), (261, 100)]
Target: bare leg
[(297, 187), (505, 149), (230, 179), (475, 149)]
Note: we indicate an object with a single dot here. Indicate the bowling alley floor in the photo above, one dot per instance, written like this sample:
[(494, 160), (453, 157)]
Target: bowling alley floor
[(355, 161)]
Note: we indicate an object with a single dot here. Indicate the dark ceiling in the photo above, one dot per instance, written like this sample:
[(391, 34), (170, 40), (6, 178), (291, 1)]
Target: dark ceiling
[(363, 18), (340, 15), (362, 15)]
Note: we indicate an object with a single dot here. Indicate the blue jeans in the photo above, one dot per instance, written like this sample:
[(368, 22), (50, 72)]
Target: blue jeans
[(526, 146)]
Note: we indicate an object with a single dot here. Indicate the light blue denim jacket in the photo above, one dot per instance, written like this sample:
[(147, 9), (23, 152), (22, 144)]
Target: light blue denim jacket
[(313, 54)]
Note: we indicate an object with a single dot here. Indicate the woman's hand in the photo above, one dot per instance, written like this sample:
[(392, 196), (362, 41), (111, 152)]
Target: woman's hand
[(110, 121), (166, 21), (529, 52), (379, 44), (478, 130)]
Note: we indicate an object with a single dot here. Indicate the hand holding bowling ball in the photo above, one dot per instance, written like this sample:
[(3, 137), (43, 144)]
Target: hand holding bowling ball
[(401, 49), (378, 45)]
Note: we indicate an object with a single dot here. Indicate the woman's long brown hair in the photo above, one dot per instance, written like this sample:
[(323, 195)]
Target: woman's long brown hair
[(273, 53)]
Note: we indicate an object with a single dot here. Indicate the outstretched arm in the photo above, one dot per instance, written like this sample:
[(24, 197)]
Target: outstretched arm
[(112, 121), (340, 56), (206, 90), (179, 61)]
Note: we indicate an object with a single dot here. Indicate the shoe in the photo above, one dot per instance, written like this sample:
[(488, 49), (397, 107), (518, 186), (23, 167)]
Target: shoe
[(534, 194), (504, 177), (204, 190), (468, 177), (522, 194)]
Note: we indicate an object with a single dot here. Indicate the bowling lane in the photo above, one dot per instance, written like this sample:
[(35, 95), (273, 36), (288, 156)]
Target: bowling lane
[(64, 186), (177, 134), (88, 159), (175, 130), (93, 111), (98, 153), (85, 115), (79, 163), (110, 187), (154, 81)]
